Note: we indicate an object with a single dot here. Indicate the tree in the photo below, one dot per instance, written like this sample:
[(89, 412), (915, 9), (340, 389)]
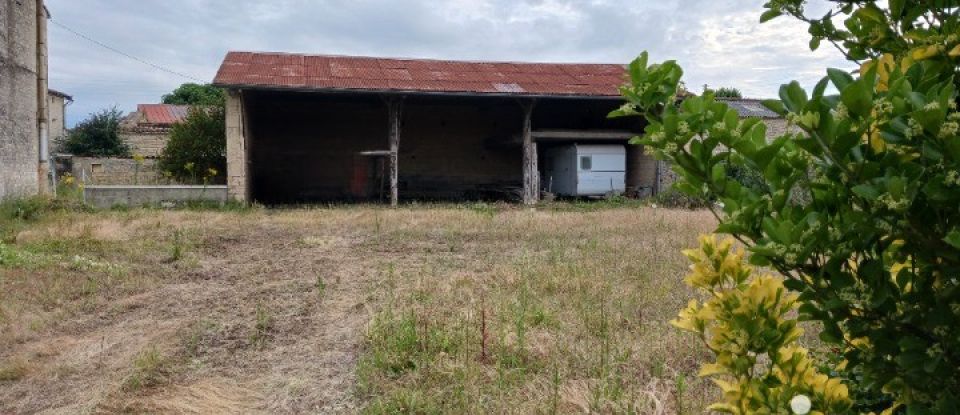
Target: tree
[(97, 136), (195, 94), (724, 92), (196, 151), (874, 252)]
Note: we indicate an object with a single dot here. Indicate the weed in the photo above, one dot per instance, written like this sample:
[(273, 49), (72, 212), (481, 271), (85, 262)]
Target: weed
[(262, 325), (13, 370), (320, 285), (150, 368), (177, 248)]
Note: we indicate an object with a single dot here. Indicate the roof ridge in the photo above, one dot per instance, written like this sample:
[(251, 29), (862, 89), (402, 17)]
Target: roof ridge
[(324, 55)]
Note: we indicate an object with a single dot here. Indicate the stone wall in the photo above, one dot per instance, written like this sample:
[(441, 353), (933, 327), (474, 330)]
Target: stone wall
[(117, 171), (19, 132), (147, 144)]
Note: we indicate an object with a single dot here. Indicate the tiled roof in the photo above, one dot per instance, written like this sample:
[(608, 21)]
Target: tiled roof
[(750, 108), (163, 114), (332, 73)]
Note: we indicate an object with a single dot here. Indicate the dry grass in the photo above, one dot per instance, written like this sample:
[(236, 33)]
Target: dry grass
[(476, 309)]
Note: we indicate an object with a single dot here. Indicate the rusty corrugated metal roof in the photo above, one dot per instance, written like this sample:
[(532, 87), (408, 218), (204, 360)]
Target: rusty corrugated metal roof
[(324, 72), (163, 114)]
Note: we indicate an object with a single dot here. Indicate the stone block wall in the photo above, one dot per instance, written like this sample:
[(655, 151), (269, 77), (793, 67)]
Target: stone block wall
[(19, 132), (147, 144), (117, 171)]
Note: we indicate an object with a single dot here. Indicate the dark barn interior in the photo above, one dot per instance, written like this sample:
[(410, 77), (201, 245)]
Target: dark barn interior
[(311, 147)]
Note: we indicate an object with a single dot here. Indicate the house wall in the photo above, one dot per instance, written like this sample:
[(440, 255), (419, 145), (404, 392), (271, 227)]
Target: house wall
[(147, 144), (57, 121), (19, 135)]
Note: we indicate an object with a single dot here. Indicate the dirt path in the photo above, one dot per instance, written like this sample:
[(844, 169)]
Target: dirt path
[(269, 320)]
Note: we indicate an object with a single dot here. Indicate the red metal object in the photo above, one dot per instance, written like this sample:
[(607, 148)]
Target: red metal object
[(324, 72), (163, 114)]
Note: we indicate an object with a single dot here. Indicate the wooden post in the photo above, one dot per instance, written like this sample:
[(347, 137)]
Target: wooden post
[(394, 107), (531, 174)]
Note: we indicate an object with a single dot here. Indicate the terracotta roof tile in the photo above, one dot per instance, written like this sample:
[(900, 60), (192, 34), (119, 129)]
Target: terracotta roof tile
[(320, 72)]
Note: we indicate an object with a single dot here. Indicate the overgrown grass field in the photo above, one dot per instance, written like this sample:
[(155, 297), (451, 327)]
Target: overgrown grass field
[(422, 309)]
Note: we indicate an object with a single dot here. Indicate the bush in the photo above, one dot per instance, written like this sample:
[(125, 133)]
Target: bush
[(875, 253), (196, 152), (97, 136)]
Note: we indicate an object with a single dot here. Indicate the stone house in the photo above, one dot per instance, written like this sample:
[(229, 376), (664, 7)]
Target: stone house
[(146, 132), (308, 128), (57, 102), (24, 133)]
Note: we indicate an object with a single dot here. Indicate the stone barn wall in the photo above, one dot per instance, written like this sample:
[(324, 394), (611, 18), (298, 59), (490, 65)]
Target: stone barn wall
[(19, 132)]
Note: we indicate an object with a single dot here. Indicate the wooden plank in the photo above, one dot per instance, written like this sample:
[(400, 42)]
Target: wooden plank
[(559, 135), (531, 174), (394, 107)]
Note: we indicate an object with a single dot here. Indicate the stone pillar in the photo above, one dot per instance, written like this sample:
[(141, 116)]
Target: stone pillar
[(236, 148)]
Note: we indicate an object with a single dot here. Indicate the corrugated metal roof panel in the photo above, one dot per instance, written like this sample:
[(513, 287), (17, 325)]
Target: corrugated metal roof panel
[(750, 108), (277, 70), (163, 114)]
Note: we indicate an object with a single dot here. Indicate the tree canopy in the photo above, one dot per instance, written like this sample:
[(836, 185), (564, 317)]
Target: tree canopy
[(195, 94), (196, 151), (97, 136)]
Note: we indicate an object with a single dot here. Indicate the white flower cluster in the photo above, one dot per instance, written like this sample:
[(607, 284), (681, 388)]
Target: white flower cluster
[(933, 106), (892, 203), (952, 179), (840, 113), (883, 107), (949, 129), (683, 128), (914, 129)]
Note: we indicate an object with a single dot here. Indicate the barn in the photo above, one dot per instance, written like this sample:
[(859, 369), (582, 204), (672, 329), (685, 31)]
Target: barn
[(318, 128)]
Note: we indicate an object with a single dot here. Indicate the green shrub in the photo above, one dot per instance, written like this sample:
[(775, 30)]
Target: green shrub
[(875, 253), (98, 136), (196, 151)]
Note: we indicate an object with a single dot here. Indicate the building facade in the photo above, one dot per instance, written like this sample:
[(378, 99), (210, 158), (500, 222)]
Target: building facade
[(309, 128), (23, 98)]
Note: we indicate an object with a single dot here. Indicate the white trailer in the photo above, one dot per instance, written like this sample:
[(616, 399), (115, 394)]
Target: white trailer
[(585, 170)]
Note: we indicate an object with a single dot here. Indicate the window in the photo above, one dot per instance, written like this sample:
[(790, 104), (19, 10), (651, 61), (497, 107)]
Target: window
[(586, 162)]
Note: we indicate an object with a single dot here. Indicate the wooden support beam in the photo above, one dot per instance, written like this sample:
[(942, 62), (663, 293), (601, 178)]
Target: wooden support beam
[(531, 174), (394, 108), (581, 135)]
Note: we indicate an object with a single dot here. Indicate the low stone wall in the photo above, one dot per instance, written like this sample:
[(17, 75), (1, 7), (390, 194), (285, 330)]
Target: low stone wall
[(117, 171), (109, 196)]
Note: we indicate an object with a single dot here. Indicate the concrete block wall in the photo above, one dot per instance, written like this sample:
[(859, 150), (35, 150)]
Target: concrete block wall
[(19, 132), (109, 196)]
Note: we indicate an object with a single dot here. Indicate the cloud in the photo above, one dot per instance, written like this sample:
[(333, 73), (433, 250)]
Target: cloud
[(719, 42)]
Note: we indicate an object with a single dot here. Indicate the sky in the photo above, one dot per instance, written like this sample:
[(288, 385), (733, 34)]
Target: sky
[(718, 42)]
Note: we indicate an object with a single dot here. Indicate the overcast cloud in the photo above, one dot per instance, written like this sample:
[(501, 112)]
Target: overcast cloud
[(718, 42)]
